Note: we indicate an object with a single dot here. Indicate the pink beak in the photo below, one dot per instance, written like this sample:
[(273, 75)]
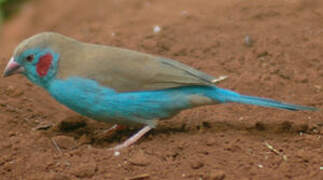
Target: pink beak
[(12, 68)]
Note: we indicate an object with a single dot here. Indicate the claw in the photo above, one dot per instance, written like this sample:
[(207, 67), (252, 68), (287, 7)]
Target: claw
[(110, 131)]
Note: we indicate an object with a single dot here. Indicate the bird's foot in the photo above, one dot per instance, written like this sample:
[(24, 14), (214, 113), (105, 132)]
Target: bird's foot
[(134, 138), (110, 131), (115, 127), (221, 78)]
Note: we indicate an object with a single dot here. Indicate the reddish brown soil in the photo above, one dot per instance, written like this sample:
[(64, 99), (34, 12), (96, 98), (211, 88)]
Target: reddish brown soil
[(218, 142)]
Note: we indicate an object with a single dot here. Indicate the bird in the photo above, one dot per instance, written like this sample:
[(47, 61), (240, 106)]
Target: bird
[(121, 86)]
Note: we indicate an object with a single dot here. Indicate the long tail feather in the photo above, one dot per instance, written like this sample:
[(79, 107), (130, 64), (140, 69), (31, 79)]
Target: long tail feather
[(229, 96)]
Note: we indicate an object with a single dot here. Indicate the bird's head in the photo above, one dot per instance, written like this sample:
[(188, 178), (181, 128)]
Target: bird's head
[(36, 58)]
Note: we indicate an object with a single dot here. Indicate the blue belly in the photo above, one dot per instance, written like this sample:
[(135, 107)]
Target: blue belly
[(104, 104)]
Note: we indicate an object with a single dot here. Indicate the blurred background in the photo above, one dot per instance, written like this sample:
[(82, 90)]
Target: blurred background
[(9, 7), (267, 48)]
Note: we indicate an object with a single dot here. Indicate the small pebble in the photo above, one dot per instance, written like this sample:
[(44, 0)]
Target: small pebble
[(139, 158), (84, 139), (43, 126), (217, 175), (65, 142), (248, 41), (210, 141), (116, 153), (83, 170), (318, 87), (300, 133), (184, 13), (262, 54), (156, 29), (196, 165)]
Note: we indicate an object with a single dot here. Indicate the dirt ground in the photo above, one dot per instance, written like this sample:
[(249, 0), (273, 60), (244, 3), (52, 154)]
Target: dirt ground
[(267, 48)]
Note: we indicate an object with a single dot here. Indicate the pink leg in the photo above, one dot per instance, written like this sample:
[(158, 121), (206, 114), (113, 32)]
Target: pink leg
[(110, 131), (134, 138)]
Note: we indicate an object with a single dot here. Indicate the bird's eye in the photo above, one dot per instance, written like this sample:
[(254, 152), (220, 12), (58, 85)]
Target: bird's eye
[(30, 58)]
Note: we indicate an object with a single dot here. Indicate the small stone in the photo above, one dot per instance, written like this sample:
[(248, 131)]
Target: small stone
[(303, 155), (116, 153), (318, 87), (184, 13), (263, 54), (302, 128), (248, 41), (43, 126), (10, 89), (157, 29), (210, 141), (84, 139), (244, 178), (217, 175), (65, 142), (12, 133), (3, 103), (233, 147), (139, 158), (13, 91), (29, 84), (196, 164), (58, 177), (139, 177), (84, 170)]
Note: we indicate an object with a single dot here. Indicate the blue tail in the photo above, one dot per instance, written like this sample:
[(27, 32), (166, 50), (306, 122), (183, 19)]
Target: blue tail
[(224, 95)]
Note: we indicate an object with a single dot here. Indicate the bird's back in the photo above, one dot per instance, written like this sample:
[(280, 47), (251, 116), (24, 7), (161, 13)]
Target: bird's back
[(126, 70)]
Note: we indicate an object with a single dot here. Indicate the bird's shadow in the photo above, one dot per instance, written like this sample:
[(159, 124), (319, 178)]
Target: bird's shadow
[(86, 131)]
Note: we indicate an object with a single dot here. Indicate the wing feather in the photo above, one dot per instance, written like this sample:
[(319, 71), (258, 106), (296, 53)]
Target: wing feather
[(126, 70)]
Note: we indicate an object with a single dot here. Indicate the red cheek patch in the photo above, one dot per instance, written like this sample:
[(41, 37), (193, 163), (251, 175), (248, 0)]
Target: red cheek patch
[(43, 64)]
